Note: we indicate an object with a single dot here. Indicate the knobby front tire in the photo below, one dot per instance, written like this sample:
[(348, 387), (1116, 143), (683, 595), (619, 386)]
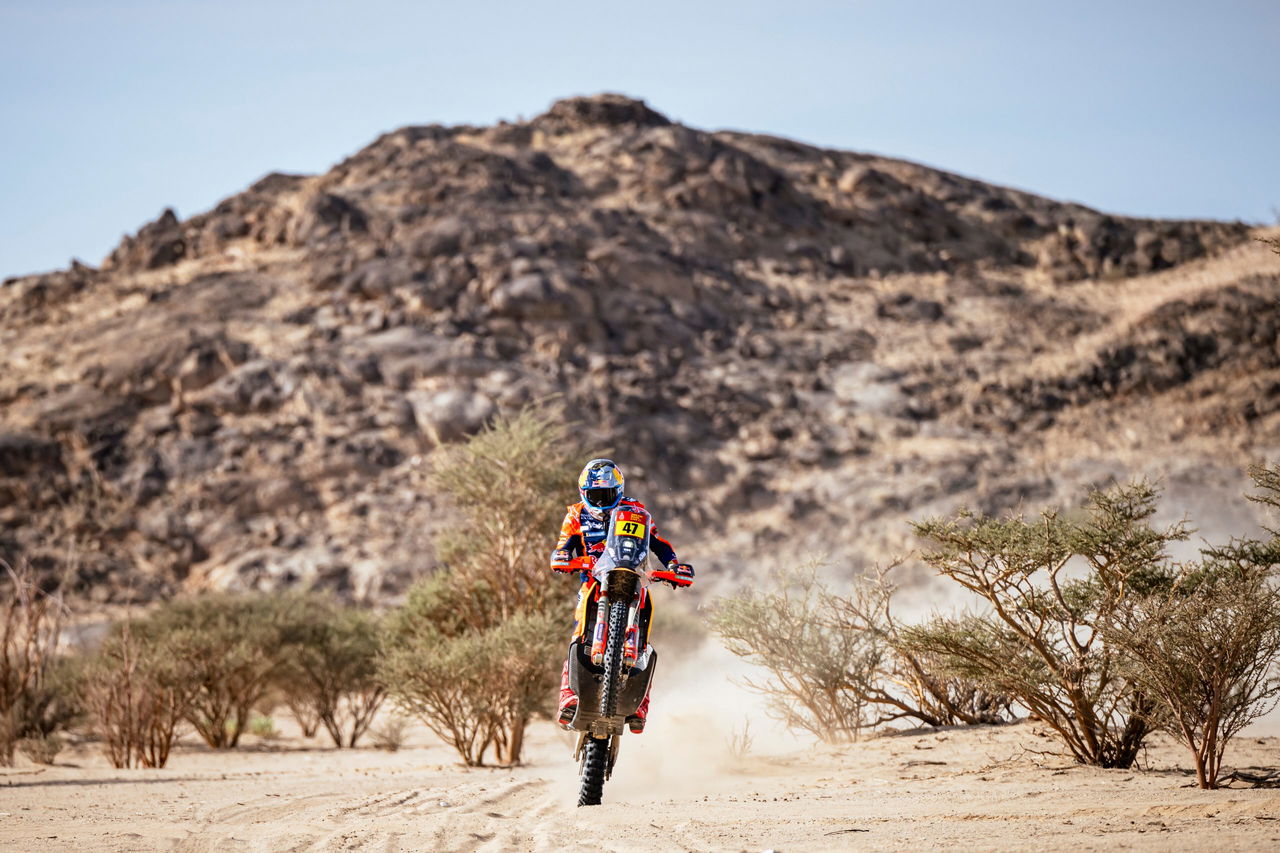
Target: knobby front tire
[(618, 612)]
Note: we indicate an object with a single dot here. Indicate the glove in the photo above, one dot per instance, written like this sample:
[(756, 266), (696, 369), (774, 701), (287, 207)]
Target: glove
[(561, 561), (676, 573)]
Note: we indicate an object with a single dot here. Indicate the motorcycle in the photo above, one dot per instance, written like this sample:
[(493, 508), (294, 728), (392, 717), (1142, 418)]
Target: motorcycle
[(611, 663)]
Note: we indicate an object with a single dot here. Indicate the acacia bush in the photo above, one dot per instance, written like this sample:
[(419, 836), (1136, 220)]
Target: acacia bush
[(475, 650), (230, 646), (819, 675), (475, 688), (1207, 651), (445, 683), (1208, 647), (1051, 585), (328, 672), (1099, 632), (216, 661), (912, 684)]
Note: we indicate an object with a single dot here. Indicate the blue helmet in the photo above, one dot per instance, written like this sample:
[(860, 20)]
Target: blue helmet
[(600, 486)]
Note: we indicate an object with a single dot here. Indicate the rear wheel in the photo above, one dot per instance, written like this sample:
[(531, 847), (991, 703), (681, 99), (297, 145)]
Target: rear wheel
[(595, 752), (595, 761)]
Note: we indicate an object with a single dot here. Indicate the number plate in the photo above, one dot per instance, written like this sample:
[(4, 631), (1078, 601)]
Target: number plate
[(629, 524)]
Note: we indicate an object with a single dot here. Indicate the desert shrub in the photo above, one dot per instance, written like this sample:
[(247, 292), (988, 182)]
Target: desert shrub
[(231, 646), (818, 675), (1051, 585), (390, 734), (36, 697), (475, 689), (1207, 651), (444, 681), (523, 657), (740, 741), (836, 664), (263, 726), (329, 673), (509, 481), (911, 684), (1208, 646), (137, 689), (475, 650), (42, 749)]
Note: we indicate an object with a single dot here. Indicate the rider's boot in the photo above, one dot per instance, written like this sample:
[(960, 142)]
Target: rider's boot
[(636, 721), (568, 700)]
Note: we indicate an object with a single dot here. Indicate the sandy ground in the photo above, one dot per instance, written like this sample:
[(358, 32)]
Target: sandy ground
[(677, 787)]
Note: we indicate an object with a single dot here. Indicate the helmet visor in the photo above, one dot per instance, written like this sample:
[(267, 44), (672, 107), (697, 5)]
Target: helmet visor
[(602, 498)]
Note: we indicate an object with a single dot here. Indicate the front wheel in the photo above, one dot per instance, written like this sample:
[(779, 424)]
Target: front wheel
[(612, 686)]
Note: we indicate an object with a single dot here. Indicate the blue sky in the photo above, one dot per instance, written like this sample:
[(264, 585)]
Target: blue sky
[(112, 111)]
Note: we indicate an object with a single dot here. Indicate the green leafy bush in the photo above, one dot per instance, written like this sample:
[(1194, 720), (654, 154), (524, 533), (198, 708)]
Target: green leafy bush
[(509, 482), (263, 726), (1051, 585), (230, 646), (476, 648), (329, 669), (475, 689), (1207, 647)]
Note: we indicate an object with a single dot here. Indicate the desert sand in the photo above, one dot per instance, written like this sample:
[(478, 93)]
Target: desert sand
[(677, 787)]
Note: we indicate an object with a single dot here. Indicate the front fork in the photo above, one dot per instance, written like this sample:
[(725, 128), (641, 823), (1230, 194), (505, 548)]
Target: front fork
[(631, 646)]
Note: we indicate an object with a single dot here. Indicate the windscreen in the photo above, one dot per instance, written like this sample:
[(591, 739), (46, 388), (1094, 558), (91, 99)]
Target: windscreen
[(628, 542)]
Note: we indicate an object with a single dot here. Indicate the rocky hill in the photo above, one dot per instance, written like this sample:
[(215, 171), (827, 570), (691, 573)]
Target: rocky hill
[(786, 347)]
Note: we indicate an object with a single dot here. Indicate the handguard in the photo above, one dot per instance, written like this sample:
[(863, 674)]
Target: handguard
[(565, 563), (677, 574)]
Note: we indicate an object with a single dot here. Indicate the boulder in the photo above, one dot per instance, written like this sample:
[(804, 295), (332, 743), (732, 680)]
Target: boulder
[(445, 416), (255, 386)]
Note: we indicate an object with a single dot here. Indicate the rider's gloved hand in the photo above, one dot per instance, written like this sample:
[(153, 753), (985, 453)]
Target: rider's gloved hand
[(561, 561), (676, 573)]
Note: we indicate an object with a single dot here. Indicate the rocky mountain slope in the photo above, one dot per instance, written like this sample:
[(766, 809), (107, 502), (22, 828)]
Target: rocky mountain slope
[(787, 348)]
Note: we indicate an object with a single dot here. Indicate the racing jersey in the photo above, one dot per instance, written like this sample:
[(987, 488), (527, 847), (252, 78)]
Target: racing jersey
[(581, 533)]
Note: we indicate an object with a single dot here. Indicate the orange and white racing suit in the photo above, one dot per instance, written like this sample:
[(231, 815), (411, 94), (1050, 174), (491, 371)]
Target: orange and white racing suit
[(582, 534)]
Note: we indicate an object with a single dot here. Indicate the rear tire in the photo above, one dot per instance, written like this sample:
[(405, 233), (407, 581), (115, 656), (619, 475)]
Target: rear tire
[(595, 761), (595, 752)]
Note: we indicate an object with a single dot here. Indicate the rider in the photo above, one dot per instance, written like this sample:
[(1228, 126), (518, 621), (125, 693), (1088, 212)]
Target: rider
[(583, 534)]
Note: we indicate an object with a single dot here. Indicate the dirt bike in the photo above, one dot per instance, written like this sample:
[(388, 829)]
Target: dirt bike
[(611, 663)]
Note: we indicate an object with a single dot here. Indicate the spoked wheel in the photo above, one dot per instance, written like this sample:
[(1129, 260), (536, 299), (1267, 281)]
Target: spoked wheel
[(595, 752)]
